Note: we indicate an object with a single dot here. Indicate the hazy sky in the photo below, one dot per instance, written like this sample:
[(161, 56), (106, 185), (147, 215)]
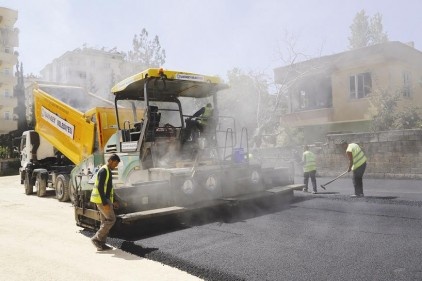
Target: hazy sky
[(209, 37)]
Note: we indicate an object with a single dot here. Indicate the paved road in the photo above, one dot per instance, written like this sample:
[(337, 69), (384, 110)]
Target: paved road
[(327, 236), (40, 241)]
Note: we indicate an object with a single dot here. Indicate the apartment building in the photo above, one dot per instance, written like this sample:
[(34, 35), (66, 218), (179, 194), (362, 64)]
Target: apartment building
[(9, 40), (97, 70), (334, 93)]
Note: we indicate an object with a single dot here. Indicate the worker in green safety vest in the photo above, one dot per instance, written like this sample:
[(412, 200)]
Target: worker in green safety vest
[(199, 121), (357, 164), (103, 196), (309, 169)]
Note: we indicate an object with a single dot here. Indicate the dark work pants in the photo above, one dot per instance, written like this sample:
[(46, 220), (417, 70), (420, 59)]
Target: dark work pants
[(306, 176), (357, 179)]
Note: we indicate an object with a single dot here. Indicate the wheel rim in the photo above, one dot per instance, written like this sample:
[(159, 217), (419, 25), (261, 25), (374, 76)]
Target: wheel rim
[(37, 186), (59, 188)]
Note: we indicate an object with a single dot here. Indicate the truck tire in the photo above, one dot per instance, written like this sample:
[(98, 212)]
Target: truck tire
[(29, 188), (62, 188), (40, 185), (72, 193)]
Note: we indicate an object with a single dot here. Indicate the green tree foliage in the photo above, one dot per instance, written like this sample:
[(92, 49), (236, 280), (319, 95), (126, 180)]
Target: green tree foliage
[(366, 31), (409, 118), (147, 52), (389, 117)]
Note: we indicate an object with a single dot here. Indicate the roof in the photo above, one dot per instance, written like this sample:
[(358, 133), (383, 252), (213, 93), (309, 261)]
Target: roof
[(393, 50), (169, 84)]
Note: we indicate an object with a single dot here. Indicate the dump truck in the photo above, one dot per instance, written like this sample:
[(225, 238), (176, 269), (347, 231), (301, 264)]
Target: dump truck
[(64, 135), (168, 167)]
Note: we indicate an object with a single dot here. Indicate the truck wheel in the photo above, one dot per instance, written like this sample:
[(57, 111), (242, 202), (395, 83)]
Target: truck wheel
[(29, 188), (72, 192), (62, 188), (40, 186)]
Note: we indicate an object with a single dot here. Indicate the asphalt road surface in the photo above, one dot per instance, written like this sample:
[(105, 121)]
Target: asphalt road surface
[(326, 236)]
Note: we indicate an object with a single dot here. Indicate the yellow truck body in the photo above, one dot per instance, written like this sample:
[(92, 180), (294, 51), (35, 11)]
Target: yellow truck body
[(66, 128)]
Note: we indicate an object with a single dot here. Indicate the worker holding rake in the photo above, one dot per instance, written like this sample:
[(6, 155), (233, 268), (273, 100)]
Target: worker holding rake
[(357, 164)]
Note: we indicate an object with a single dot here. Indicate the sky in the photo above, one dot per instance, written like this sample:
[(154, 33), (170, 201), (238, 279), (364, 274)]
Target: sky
[(208, 37)]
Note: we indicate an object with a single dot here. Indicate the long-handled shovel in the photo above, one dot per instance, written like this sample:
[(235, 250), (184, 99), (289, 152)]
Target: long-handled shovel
[(323, 185)]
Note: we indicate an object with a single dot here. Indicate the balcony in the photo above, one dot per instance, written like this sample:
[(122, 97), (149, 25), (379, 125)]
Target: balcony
[(8, 102), (9, 37), (8, 79), (7, 58), (7, 126), (309, 117)]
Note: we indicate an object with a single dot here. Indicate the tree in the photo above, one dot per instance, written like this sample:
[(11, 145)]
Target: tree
[(384, 104), (147, 52), (366, 31), (387, 116)]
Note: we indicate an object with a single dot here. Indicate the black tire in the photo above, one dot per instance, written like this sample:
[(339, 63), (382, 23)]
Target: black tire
[(62, 188), (72, 192), (40, 185), (29, 188)]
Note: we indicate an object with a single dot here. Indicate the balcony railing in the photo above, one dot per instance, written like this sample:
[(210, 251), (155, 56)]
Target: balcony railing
[(309, 117), (8, 58), (7, 79), (9, 37), (8, 101)]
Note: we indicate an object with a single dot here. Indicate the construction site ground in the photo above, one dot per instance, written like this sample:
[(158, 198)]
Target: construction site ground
[(40, 241)]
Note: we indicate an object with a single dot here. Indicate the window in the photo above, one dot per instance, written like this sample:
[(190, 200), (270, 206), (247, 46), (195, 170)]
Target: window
[(7, 115), (304, 101), (407, 84), (6, 93), (360, 85)]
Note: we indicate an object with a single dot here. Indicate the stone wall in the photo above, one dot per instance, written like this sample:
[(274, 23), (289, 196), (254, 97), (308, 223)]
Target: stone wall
[(391, 154)]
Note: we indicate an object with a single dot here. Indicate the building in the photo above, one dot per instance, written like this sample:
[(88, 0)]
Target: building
[(8, 59), (333, 93), (96, 70)]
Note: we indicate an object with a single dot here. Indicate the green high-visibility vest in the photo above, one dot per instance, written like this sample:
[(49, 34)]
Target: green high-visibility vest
[(95, 194), (208, 112), (310, 163), (358, 156)]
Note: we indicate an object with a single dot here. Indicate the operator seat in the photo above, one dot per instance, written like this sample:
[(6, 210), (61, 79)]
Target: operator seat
[(154, 121)]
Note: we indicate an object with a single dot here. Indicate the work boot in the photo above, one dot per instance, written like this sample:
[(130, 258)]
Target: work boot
[(305, 190), (314, 192), (97, 244), (105, 247)]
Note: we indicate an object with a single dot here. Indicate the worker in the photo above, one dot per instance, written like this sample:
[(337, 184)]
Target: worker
[(357, 164), (203, 117), (102, 196), (309, 169)]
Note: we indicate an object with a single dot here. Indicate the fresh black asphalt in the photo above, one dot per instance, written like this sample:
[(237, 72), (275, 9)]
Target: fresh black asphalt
[(327, 236)]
